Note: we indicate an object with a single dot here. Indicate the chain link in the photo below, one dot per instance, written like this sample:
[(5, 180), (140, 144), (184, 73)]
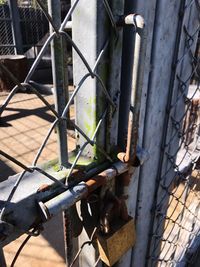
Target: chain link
[(28, 86), (176, 208)]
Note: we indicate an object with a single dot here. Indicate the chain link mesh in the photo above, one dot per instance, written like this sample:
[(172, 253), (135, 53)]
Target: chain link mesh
[(7, 43), (176, 210), (28, 87), (34, 26), (176, 220)]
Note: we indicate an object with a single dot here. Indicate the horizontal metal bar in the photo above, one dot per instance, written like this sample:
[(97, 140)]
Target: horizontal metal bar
[(63, 201), (68, 198), (7, 45), (22, 212)]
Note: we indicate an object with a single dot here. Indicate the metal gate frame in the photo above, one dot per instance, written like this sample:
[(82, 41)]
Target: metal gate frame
[(164, 62), (103, 109)]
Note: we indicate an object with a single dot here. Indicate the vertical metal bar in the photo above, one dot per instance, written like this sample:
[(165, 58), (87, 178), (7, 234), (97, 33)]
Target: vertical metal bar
[(153, 122), (59, 80), (138, 56), (2, 258), (114, 79), (90, 101), (137, 83), (16, 29)]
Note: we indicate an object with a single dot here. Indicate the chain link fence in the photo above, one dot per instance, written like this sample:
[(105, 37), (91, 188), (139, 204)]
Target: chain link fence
[(22, 23), (27, 87), (175, 215), (6, 37), (34, 26), (60, 110), (175, 228)]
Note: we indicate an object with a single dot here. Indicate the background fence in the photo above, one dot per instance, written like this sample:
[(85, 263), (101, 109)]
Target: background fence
[(7, 43), (23, 27)]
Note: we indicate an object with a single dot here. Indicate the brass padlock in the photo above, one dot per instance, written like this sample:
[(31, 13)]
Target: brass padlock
[(117, 230), (114, 245)]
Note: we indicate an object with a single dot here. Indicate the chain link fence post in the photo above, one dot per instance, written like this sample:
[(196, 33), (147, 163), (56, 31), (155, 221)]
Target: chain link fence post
[(60, 84)]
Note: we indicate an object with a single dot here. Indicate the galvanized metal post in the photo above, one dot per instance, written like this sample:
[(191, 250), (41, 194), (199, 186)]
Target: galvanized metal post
[(93, 40), (98, 36), (132, 106), (114, 79), (90, 101), (60, 82), (86, 101), (16, 30)]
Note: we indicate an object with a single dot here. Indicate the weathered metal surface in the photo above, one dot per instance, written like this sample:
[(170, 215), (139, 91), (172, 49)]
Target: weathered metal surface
[(141, 156), (60, 82), (161, 62), (114, 245), (68, 198), (23, 212), (131, 155), (62, 201), (114, 78), (138, 25), (147, 10), (23, 202), (102, 50), (89, 100), (176, 157), (158, 80)]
